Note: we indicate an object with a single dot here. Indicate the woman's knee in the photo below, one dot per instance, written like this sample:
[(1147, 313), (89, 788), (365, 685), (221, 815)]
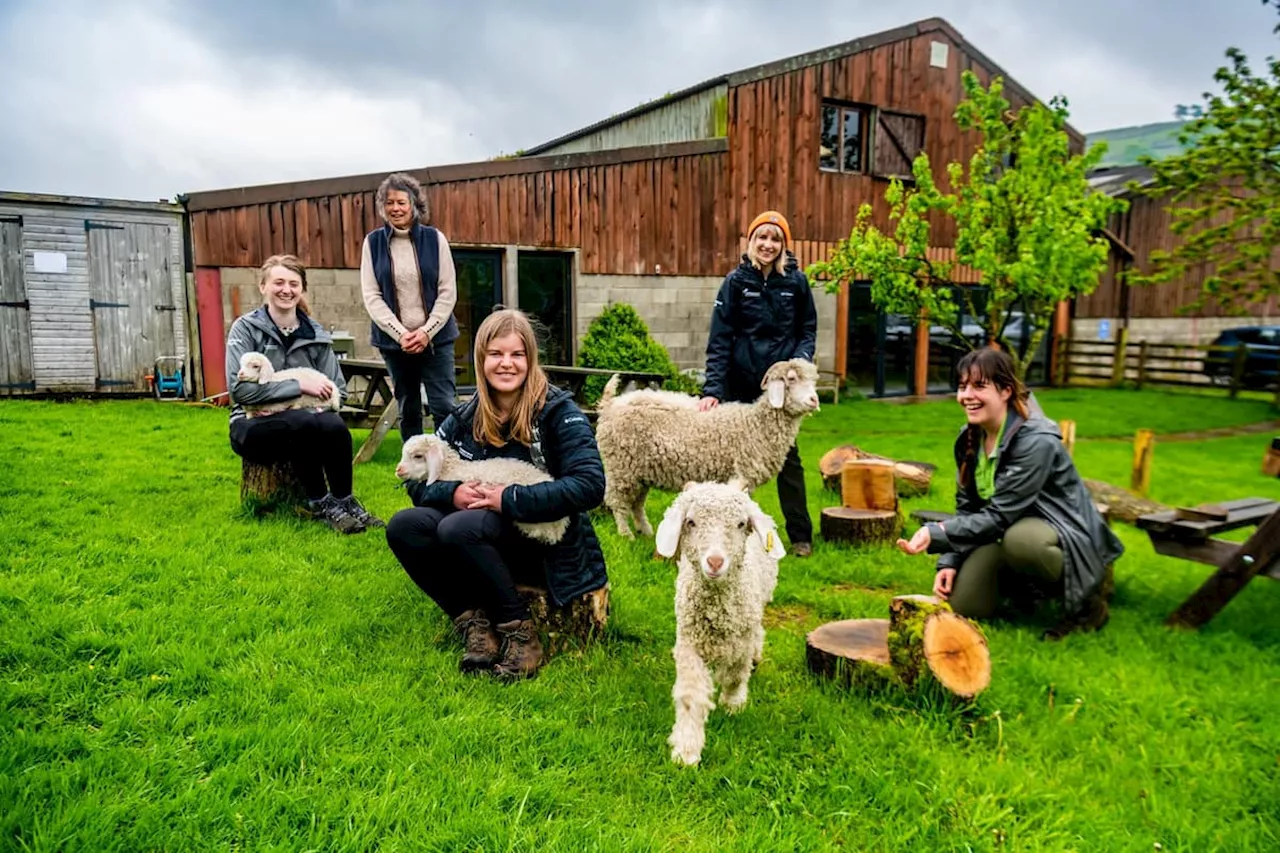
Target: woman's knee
[(1031, 542), (413, 527), (469, 527)]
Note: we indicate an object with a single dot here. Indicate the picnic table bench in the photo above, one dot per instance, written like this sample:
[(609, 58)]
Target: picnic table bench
[(1188, 533), (574, 379)]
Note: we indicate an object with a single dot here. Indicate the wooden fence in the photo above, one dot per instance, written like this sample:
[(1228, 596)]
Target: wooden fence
[(1145, 363)]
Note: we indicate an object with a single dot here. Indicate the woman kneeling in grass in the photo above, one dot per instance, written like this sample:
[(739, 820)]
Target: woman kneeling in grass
[(1023, 515), (458, 542)]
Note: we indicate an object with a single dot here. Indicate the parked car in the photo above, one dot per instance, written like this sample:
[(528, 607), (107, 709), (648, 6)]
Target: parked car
[(1262, 356)]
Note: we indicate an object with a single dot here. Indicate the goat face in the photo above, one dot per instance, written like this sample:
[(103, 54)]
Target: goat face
[(709, 524), (792, 386), (421, 459), (255, 367)]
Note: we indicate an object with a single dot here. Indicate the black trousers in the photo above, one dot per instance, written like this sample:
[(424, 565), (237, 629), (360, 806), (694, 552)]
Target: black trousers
[(466, 559), (791, 495), (433, 368), (317, 443)]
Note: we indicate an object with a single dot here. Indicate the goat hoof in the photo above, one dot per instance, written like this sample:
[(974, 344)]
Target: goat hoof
[(687, 758)]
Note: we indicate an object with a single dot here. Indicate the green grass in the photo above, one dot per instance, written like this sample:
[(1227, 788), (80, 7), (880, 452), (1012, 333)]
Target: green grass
[(175, 675)]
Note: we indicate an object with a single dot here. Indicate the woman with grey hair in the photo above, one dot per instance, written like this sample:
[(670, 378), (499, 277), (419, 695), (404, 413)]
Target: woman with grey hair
[(409, 286)]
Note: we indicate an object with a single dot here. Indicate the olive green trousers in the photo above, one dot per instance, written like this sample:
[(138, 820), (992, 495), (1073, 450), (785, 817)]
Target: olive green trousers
[(1029, 554)]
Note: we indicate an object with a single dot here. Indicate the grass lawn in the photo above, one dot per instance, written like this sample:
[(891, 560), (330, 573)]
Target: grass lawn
[(176, 676)]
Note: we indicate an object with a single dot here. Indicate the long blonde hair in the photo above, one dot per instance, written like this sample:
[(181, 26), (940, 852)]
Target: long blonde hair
[(488, 425), (292, 264)]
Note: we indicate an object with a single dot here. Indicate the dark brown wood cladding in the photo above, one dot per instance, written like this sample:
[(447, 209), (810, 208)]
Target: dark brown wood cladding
[(641, 216)]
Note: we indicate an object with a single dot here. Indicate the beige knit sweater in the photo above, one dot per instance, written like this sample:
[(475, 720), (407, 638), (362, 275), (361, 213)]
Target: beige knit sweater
[(404, 265)]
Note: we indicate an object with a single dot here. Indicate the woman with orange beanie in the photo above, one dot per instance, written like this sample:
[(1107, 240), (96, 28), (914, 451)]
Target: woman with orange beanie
[(764, 313)]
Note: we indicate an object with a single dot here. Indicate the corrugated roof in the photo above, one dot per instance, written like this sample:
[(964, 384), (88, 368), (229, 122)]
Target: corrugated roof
[(1114, 180)]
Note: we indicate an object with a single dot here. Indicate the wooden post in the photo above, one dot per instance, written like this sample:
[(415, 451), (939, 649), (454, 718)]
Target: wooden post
[(1143, 448), (842, 332), (1142, 362), (1237, 369), (921, 377), (1061, 335), (1068, 429), (1118, 366)]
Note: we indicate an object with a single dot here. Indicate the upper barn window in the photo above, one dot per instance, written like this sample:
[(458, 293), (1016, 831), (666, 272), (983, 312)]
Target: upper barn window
[(861, 139)]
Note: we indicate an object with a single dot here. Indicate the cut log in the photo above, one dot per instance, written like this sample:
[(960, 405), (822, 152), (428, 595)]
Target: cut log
[(910, 478), (265, 488), (928, 642), (832, 464), (843, 524), (579, 621), (854, 652), (1271, 459), (868, 484), (1121, 504), (922, 647), (913, 478)]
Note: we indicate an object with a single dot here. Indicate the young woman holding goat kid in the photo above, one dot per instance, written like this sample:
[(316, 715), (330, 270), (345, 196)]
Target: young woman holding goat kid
[(315, 440), (459, 542), (764, 314)]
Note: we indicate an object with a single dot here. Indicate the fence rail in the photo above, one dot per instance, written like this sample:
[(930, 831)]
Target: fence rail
[(1152, 363)]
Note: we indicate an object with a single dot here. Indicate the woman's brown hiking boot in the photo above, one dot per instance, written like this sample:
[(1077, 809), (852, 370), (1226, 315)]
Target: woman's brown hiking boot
[(1092, 617), (521, 650), (478, 639)]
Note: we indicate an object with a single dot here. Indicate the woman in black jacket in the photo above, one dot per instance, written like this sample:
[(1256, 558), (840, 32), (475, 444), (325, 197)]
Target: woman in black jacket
[(458, 542), (764, 313), (1023, 515)]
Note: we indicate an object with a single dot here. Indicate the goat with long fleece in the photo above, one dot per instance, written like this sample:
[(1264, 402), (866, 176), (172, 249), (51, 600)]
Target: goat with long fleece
[(651, 439), (727, 551), (428, 459), (256, 367)]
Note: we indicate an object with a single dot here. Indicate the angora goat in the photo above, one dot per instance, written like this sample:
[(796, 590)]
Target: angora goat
[(728, 551), (256, 367), (659, 439), (428, 458)]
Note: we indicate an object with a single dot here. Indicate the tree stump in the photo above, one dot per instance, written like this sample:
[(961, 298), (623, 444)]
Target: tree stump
[(264, 488), (868, 484), (580, 620), (911, 478), (923, 646), (1121, 504), (832, 463), (845, 524)]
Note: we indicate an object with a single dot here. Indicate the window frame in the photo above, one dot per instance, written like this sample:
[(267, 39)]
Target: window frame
[(866, 115)]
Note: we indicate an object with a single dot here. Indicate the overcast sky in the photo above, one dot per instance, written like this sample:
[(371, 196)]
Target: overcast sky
[(150, 98)]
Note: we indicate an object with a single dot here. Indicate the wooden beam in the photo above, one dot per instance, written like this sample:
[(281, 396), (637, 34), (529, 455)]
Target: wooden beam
[(1258, 555)]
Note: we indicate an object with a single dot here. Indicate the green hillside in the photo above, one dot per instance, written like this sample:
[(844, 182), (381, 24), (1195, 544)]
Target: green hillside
[(1126, 144)]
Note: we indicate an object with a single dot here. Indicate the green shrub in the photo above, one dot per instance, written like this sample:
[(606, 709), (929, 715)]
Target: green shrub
[(618, 339)]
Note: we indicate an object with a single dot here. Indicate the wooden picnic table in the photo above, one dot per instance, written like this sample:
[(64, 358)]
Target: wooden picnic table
[(574, 379), (1189, 534)]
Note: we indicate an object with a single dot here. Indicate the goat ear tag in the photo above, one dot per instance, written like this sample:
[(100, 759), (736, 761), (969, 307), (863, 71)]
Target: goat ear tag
[(768, 542)]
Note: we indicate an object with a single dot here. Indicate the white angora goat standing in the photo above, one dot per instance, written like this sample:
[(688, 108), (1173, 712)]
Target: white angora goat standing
[(256, 367), (428, 459), (727, 552)]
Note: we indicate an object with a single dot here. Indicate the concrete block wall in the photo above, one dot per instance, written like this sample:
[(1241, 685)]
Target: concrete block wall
[(1196, 331), (677, 310), (333, 294)]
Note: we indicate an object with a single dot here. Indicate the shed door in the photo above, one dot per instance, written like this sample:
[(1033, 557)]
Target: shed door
[(15, 313), (131, 295)]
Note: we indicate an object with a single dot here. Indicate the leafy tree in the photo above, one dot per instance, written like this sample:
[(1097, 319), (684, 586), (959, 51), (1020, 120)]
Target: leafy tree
[(1223, 191), (1024, 219), (618, 339)]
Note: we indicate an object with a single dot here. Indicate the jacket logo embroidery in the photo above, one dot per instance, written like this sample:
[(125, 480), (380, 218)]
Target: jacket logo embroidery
[(573, 419), (750, 293), (465, 454)]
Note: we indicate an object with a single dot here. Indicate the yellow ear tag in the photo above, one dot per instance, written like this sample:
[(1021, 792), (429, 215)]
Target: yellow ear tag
[(768, 541)]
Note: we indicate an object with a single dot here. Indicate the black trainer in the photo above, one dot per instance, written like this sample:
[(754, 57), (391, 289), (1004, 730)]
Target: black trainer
[(359, 513), (330, 510)]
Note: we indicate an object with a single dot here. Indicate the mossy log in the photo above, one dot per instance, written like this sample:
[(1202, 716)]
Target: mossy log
[(911, 478), (578, 621), (858, 526), (1122, 504), (268, 487), (923, 646)]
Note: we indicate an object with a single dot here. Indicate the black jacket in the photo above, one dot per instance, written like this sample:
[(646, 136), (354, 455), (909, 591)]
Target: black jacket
[(1034, 477), (310, 346), (755, 323), (574, 565)]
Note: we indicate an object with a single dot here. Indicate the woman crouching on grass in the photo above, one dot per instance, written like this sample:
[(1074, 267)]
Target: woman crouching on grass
[(317, 443), (458, 542), (1023, 515)]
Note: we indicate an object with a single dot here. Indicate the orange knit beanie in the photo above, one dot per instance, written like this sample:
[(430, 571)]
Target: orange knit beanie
[(771, 217)]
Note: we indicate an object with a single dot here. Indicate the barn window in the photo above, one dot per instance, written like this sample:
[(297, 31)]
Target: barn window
[(842, 145), (897, 139)]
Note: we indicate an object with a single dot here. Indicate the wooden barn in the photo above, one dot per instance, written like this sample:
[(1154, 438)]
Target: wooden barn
[(92, 292), (648, 207)]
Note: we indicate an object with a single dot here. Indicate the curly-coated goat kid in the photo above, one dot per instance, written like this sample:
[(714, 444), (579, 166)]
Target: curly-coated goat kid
[(256, 367), (727, 552), (428, 459), (657, 439)]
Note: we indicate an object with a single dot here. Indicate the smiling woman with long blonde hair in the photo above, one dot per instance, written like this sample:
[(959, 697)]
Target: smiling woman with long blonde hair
[(458, 542)]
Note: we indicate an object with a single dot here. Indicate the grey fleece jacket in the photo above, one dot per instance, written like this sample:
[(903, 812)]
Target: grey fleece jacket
[(254, 332), (1034, 477)]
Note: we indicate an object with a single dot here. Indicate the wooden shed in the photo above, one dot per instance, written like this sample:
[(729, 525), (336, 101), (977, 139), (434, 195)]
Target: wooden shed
[(92, 292)]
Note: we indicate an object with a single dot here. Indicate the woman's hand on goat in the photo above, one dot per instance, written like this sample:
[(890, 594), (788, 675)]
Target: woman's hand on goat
[(919, 542), (490, 497), (706, 404), (943, 581), (466, 494), (316, 387)]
